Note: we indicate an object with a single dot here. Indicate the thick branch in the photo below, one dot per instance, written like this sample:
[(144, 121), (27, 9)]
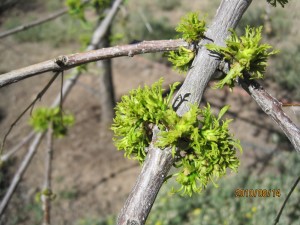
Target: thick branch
[(70, 61), (158, 162), (272, 107)]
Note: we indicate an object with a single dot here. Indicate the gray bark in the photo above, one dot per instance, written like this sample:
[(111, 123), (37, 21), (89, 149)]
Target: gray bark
[(66, 62), (158, 162)]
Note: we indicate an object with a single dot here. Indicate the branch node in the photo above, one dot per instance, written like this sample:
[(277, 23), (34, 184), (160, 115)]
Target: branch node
[(62, 61)]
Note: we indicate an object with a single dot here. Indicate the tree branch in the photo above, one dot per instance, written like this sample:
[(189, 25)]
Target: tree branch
[(158, 161), (66, 62), (272, 107)]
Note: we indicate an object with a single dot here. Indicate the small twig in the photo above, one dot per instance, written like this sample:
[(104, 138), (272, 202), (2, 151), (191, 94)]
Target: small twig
[(285, 201), (61, 96), (12, 151), (47, 190), (33, 24), (97, 36), (147, 24), (31, 105), (18, 175), (38, 22)]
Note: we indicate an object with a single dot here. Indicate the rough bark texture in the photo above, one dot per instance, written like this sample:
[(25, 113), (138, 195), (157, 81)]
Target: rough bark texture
[(204, 65), (155, 169), (158, 162), (273, 108)]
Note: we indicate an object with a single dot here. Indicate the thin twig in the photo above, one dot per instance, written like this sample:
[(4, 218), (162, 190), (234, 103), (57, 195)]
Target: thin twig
[(66, 62), (36, 23), (47, 190), (18, 175), (31, 105), (12, 151), (285, 201), (33, 24), (66, 90)]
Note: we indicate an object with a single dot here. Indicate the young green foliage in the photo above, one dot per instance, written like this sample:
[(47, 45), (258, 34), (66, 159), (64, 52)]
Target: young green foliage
[(206, 147), (281, 2), (77, 7), (191, 27), (135, 115), (181, 59), (245, 54), (192, 30), (42, 117), (201, 142)]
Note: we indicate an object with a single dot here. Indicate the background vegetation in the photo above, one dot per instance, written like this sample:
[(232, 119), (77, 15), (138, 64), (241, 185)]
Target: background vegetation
[(273, 170)]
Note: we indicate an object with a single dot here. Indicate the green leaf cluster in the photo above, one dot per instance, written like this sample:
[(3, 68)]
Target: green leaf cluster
[(43, 117), (201, 142), (78, 7), (181, 59), (281, 2), (209, 151), (135, 116), (192, 29), (245, 54)]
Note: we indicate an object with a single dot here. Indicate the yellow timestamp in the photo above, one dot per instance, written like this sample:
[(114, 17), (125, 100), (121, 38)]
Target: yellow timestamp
[(257, 193)]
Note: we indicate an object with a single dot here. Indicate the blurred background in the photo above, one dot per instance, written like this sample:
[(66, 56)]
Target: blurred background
[(91, 179)]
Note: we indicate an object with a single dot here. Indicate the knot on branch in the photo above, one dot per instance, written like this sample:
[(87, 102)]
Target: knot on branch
[(61, 61)]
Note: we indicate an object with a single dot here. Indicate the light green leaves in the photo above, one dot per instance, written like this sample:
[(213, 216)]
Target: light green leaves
[(135, 115), (245, 54), (77, 7), (192, 30), (211, 150), (42, 117), (181, 59), (201, 141), (191, 27)]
